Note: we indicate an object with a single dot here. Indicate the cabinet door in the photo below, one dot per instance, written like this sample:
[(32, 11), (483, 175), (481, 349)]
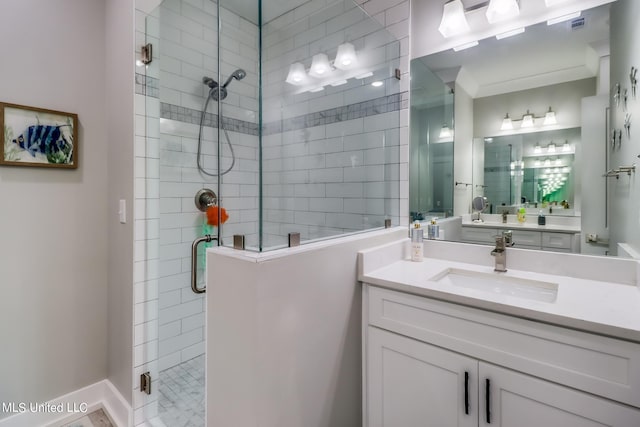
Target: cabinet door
[(519, 400), (411, 384)]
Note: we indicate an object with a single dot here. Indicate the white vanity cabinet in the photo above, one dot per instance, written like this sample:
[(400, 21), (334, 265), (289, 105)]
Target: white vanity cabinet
[(433, 363), (543, 240)]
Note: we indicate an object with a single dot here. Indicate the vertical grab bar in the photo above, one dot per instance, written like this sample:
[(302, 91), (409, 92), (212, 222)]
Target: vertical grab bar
[(194, 262)]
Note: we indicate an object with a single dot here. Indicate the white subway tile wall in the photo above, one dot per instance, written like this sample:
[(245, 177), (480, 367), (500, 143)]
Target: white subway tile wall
[(329, 156), (332, 162)]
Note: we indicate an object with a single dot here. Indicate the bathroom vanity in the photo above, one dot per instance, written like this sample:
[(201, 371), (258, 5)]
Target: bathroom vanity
[(551, 342), (558, 235)]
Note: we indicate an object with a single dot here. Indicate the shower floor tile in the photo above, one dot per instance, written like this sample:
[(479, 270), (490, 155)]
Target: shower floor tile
[(181, 394)]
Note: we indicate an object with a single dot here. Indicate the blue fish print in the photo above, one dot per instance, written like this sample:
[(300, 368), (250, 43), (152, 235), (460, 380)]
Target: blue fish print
[(42, 139)]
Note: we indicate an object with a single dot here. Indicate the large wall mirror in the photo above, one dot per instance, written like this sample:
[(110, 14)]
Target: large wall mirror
[(524, 120)]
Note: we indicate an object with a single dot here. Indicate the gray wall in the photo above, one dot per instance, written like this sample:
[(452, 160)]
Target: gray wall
[(564, 98), (120, 136), (53, 223), (624, 197)]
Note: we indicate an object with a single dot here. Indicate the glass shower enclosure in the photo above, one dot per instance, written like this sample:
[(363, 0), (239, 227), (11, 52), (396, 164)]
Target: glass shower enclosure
[(289, 112)]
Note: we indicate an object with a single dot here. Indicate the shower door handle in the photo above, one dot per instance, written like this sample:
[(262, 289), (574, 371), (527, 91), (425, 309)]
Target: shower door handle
[(194, 262)]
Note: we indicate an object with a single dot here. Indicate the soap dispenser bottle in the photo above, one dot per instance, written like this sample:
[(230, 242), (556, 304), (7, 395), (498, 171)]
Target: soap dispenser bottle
[(522, 213), (417, 246), (542, 220)]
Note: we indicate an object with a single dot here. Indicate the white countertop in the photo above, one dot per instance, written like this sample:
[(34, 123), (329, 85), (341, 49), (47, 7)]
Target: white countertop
[(600, 306), (529, 226)]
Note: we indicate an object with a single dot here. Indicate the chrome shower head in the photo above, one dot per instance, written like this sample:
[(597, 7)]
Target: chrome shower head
[(209, 82), (238, 74)]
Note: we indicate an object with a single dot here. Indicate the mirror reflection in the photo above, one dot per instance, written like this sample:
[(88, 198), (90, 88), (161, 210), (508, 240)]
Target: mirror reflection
[(521, 122)]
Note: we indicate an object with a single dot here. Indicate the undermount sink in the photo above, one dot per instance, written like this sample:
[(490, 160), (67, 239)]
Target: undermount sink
[(497, 283)]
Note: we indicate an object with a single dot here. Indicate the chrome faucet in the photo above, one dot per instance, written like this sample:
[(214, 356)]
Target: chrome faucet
[(500, 251)]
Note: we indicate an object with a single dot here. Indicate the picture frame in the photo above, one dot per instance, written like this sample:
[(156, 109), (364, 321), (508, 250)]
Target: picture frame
[(37, 137)]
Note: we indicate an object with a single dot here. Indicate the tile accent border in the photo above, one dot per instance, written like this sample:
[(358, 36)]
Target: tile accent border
[(189, 115), (150, 86), (384, 104)]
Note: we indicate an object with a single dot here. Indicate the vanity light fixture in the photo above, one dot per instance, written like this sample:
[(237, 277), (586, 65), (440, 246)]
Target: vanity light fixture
[(564, 18), (297, 74), (320, 66), (558, 161), (510, 33), (551, 148), (453, 21), (527, 120), (507, 124), (465, 46), (547, 162), (346, 57), (500, 10), (537, 149), (550, 118), (566, 147)]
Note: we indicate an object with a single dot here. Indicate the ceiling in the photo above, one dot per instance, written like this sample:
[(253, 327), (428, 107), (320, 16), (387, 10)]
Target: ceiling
[(541, 56)]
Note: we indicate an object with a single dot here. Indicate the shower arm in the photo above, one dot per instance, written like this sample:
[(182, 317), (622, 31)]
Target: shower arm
[(194, 262)]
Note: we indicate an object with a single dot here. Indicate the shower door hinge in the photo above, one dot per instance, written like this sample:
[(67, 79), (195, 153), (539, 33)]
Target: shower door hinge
[(145, 383), (146, 54), (398, 74)]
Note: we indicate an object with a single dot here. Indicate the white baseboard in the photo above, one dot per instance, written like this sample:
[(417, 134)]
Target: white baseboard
[(69, 407)]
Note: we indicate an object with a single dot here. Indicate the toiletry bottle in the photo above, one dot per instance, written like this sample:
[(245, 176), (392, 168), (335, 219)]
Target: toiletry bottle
[(416, 242), (433, 230), (521, 215), (542, 220)]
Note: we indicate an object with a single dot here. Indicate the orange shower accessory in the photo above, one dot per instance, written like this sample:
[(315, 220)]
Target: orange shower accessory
[(212, 215)]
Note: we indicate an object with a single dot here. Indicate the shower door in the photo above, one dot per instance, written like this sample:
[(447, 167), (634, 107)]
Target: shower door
[(220, 113)]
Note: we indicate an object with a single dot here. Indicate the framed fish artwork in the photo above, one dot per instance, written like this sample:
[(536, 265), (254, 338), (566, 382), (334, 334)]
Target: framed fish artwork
[(38, 137)]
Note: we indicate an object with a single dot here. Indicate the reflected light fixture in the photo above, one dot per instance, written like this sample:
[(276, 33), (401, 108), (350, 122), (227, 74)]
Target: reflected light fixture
[(551, 148), (320, 66), (507, 124), (445, 132), (500, 10), (297, 74), (377, 83), (566, 147), (453, 20), (346, 57), (537, 149), (536, 163), (527, 120), (547, 162), (550, 118), (365, 75)]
